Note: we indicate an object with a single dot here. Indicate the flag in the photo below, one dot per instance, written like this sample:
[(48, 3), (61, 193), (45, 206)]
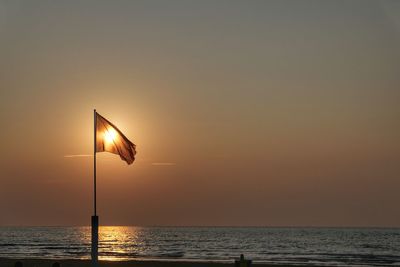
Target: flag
[(110, 139)]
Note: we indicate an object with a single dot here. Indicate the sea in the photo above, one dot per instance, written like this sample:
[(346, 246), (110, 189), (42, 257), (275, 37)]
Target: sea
[(311, 246)]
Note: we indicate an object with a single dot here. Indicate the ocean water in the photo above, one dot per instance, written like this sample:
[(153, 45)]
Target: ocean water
[(320, 246)]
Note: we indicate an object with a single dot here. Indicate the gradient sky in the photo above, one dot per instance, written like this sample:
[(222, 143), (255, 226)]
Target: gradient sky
[(264, 113)]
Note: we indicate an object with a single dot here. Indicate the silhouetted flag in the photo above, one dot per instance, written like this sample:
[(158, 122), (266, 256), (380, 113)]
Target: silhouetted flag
[(110, 139)]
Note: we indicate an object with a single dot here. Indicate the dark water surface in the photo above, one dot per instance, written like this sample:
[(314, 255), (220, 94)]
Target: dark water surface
[(327, 246)]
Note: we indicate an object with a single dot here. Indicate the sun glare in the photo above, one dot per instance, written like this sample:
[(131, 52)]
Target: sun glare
[(110, 135)]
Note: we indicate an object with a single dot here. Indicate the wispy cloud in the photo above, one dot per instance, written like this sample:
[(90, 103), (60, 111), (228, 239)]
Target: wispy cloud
[(78, 156), (163, 163)]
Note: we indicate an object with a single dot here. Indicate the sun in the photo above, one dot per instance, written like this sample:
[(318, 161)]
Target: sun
[(110, 135)]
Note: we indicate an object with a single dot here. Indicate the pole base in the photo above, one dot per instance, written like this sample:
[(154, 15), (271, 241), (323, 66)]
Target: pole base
[(95, 241)]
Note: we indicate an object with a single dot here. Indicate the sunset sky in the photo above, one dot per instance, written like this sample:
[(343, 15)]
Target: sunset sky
[(244, 113)]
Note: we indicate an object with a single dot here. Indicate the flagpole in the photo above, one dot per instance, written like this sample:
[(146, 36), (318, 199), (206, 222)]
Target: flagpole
[(95, 218), (94, 163)]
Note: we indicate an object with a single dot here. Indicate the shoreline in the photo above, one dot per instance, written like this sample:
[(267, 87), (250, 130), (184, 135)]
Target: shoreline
[(45, 262)]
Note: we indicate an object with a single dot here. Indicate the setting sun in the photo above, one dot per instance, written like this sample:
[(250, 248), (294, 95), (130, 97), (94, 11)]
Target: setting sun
[(110, 135)]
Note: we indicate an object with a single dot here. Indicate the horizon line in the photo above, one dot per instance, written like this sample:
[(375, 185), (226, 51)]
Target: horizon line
[(204, 226)]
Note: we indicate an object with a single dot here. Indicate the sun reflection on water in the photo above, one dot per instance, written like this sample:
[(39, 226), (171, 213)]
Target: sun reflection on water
[(119, 242)]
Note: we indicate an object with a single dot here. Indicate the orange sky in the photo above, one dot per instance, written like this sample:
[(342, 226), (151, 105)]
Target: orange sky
[(267, 113)]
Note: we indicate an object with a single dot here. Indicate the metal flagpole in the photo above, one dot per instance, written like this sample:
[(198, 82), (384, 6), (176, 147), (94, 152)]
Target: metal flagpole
[(95, 218)]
